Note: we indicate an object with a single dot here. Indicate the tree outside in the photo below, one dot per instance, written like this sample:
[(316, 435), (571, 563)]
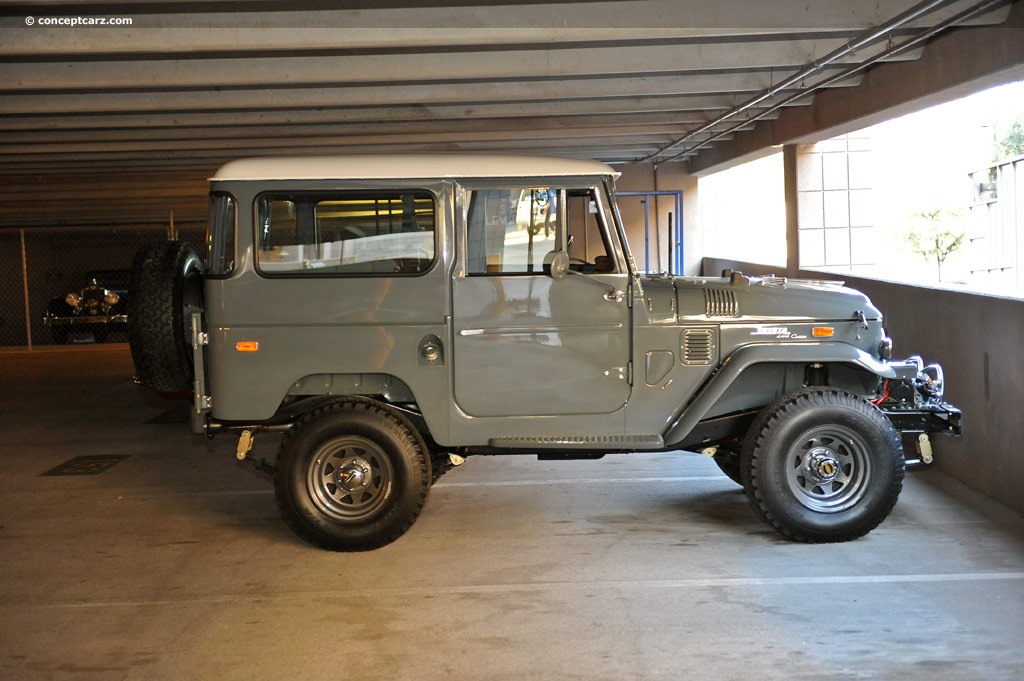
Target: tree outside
[(936, 235), (1012, 144)]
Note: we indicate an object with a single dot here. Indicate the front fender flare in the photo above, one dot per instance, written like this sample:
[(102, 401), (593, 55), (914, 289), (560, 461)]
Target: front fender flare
[(749, 355)]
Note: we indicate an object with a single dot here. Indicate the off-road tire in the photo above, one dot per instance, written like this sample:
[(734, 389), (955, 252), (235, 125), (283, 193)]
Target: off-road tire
[(165, 286), (375, 449), (729, 463), (798, 442)]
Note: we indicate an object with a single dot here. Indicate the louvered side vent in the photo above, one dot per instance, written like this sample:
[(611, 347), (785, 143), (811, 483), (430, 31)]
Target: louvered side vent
[(719, 303), (699, 347)]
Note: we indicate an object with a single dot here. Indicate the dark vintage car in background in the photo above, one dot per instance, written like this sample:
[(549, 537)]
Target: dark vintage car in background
[(100, 308)]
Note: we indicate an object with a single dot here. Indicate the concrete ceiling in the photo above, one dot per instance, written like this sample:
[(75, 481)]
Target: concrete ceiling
[(120, 117)]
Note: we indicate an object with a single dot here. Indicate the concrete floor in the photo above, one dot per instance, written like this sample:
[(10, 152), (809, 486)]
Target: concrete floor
[(174, 564)]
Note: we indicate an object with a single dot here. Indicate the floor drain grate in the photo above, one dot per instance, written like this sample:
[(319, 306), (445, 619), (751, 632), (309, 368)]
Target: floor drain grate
[(86, 465)]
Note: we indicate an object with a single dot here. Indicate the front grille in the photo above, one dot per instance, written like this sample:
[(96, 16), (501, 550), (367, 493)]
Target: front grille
[(698, 347), (720, 303)]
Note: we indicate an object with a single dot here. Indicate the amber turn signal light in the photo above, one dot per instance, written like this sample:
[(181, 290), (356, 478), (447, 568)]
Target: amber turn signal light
[(247, 346), (820, 331)]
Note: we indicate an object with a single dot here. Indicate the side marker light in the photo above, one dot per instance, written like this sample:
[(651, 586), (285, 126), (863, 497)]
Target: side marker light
[(822, 331), (247, 346)]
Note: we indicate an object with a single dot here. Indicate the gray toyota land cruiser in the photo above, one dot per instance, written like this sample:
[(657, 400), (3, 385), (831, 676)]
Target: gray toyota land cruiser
[(392, 315)]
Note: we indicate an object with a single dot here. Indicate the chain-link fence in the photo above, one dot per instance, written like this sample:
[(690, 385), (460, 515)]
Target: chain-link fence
[(41, 266)]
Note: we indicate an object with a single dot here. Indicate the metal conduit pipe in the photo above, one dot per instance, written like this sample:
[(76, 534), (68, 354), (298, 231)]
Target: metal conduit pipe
[(847, 73), (812, 68)]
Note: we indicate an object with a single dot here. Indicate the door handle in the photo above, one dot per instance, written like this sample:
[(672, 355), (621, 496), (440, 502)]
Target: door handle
[(614, 296)]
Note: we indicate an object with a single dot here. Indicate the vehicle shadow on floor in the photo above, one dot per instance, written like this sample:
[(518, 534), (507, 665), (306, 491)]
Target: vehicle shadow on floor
[(725, 510)]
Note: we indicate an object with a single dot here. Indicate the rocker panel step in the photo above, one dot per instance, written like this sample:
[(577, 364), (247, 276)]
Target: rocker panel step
[(580, 442)]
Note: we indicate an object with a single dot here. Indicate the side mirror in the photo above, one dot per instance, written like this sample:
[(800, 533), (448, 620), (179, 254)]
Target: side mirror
[(557, 262)]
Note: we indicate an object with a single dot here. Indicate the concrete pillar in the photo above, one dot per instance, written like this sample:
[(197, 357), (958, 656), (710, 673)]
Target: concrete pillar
[(790, 185)]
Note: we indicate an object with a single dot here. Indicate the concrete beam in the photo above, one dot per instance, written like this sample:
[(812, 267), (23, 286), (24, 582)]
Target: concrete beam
[(494, 129), (592, 148), (387, 22), (376, 95), (648, 134), (260, 72), (954, 65), (318, 146), (242, 124), (488, 104), (228, 34)]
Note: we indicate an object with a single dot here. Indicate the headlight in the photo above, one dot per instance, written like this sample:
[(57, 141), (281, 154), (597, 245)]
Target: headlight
[(73, 299), (931, 383), (111, 298)]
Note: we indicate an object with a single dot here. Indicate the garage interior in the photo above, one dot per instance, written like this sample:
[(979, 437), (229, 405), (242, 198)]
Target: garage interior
[(173, 562)]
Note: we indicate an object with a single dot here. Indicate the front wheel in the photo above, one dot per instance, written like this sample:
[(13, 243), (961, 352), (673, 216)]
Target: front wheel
[(352, 476), (822, 465), (729, 463)]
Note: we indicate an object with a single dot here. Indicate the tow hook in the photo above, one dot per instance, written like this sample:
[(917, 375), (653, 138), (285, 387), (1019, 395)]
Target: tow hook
[(924, 447), (245, 441), (456, 460)]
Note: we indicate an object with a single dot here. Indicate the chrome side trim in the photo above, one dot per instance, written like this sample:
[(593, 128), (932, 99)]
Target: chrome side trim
[(513, 330)]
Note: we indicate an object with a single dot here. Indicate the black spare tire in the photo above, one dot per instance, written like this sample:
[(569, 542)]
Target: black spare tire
[(165, 288)]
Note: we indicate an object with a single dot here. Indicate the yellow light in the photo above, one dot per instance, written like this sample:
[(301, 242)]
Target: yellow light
[(247, 346), (820, 331)]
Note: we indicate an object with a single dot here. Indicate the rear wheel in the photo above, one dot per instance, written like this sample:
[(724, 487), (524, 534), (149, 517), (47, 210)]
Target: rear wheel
[(166, 287), (352, 476), (822, 465)]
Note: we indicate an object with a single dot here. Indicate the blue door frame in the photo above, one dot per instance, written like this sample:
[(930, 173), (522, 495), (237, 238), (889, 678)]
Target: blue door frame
[(678, 228)]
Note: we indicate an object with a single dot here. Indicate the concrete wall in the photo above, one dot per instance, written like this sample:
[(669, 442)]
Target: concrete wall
[(978, 340)]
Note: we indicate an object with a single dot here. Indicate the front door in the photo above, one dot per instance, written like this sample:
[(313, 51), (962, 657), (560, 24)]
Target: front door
[(526, 344)]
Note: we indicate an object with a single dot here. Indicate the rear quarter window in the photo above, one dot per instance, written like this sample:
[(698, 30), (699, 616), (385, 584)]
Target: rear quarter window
[(346, 233)]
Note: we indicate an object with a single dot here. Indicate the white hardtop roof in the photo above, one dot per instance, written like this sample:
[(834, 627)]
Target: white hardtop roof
[(399, 166)]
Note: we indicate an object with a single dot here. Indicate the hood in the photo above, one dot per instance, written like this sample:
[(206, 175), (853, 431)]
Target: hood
[(741, 298)]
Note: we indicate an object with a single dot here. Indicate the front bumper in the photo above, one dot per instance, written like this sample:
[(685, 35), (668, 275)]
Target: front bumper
[(926, 418), (913, 401), (100, 319)]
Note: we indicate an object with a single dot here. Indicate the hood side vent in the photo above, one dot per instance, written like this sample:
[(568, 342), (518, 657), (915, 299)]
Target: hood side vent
[(720, 303), (699, 347)]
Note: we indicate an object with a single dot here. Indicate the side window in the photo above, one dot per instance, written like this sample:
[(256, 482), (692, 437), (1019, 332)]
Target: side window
[(343, 233), (587, 234), (510, 230)]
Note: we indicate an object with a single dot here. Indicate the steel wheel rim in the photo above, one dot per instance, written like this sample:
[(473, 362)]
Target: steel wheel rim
[(349, 478), (828, 468)]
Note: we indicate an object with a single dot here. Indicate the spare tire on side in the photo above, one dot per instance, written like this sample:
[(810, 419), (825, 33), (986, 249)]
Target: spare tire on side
[(165, 288)]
